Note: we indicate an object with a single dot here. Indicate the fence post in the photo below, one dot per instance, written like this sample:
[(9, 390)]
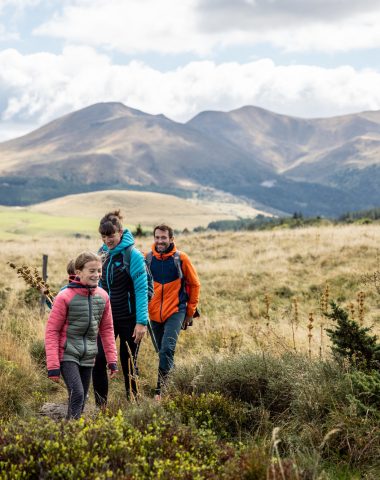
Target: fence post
[(44, 278)]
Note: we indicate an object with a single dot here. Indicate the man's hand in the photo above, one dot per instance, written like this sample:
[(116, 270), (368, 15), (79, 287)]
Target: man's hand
[(187, 322), (54, 379), (139, 332)]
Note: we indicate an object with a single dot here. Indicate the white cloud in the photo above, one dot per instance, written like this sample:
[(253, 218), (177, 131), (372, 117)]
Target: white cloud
[(199, 26), (131, 26), (40, 87)]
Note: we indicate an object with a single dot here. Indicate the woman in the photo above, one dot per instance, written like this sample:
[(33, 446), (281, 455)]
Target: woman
[(128, 292)]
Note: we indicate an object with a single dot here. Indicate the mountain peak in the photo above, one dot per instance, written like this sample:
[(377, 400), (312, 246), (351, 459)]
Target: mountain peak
[(104, 111)]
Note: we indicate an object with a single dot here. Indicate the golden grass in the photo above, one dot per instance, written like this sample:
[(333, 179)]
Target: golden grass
[(252, 285)]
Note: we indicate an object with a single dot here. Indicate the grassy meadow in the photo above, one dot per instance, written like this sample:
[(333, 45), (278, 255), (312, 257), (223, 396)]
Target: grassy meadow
[(79, 214), (256, 392)]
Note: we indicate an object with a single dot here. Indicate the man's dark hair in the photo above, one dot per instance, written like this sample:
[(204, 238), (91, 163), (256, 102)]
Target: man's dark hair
[(111, 223), (164, 228)]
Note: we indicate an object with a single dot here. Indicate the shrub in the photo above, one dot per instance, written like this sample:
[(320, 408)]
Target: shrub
[(37, 352), (110, 447), (17, 387), (365, 392), (353, 342), (32, 297), (290, 384), (212, 410)]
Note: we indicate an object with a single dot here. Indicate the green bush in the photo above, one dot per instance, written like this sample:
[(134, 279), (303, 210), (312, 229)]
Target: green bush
[(225, 417), (37, 352), (16, 387), (291, 384), (110, 448), (32, 297), (366, 392), (353, 342)]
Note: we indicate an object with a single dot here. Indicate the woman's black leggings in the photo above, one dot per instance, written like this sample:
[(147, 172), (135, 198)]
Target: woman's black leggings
[(99, 373)]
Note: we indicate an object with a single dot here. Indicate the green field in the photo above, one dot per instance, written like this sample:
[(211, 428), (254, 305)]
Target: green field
[(20, 222)]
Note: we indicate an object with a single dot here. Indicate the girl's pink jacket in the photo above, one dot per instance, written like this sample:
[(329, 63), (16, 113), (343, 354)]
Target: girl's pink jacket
[(78, 315)]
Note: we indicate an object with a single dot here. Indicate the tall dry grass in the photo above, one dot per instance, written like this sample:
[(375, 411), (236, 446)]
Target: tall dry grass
[(258, 290)]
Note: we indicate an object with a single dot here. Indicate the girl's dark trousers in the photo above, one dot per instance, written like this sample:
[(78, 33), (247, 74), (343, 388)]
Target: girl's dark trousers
[(128, 364), (77, 380)]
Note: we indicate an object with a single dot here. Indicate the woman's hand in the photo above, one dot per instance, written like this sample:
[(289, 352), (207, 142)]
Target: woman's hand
[(139, 332)]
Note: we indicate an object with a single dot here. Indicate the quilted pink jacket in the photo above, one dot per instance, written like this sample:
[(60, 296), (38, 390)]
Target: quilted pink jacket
[(78, 315)]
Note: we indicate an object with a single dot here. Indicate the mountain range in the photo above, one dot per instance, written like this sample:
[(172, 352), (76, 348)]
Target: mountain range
[(279, 163)]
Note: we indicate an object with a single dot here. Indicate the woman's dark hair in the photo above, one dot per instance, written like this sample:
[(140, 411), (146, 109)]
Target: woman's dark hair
[(111, 223)]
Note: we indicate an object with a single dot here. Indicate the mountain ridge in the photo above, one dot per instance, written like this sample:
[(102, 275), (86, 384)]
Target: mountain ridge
[(286, 163)]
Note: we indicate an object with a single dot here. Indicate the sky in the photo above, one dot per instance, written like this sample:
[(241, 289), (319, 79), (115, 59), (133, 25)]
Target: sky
[(306, 58)]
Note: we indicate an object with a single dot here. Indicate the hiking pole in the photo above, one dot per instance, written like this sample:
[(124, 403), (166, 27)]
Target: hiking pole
[(154, 341)]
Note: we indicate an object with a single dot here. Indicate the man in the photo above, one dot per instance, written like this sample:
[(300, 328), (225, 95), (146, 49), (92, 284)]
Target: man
[(175, 300)]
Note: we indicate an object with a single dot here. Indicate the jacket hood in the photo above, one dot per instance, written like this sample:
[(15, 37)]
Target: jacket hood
[(163, 255), (126, 240)]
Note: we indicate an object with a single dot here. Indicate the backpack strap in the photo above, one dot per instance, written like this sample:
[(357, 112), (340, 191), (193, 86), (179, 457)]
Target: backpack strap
[(148, 258), (177, 263), (176, 258), (127, 252)]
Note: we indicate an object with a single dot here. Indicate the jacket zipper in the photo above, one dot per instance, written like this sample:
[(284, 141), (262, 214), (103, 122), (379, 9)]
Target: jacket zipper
[(162, 289), (88, 326)]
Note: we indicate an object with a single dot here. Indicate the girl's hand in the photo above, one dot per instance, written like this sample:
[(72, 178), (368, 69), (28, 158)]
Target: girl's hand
[(139, 332), (113, 370), (54, 379)]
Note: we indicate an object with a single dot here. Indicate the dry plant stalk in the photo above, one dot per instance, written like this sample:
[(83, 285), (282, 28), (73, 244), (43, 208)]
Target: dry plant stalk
[(351, 307), (321, 345), (267, 306), (325, 298), (360, 302), (373, 280), (132, 376), (294, 321), (34, 279), (324, 305), (310, 328), (376, 280), (275, 453)]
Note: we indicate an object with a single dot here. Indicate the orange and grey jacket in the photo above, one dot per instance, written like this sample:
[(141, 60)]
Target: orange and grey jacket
[(171, 294)]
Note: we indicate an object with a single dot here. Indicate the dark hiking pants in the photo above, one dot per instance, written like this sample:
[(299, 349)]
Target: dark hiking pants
[(166, 335), (77, 380)]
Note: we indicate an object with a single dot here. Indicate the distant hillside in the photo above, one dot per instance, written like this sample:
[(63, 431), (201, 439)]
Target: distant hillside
[(277, 162), (146, 208), (340, 152)]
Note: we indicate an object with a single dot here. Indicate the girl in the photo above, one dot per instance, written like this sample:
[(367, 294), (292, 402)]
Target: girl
[(79, 313)]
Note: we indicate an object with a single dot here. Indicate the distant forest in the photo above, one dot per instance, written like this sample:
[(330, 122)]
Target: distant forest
[(297, 220)]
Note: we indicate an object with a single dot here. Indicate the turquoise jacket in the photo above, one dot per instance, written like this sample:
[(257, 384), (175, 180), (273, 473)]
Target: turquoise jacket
[(137, 273)]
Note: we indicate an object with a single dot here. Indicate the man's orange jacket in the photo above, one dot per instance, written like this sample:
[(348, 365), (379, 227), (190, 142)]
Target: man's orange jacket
[(171, 294)]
